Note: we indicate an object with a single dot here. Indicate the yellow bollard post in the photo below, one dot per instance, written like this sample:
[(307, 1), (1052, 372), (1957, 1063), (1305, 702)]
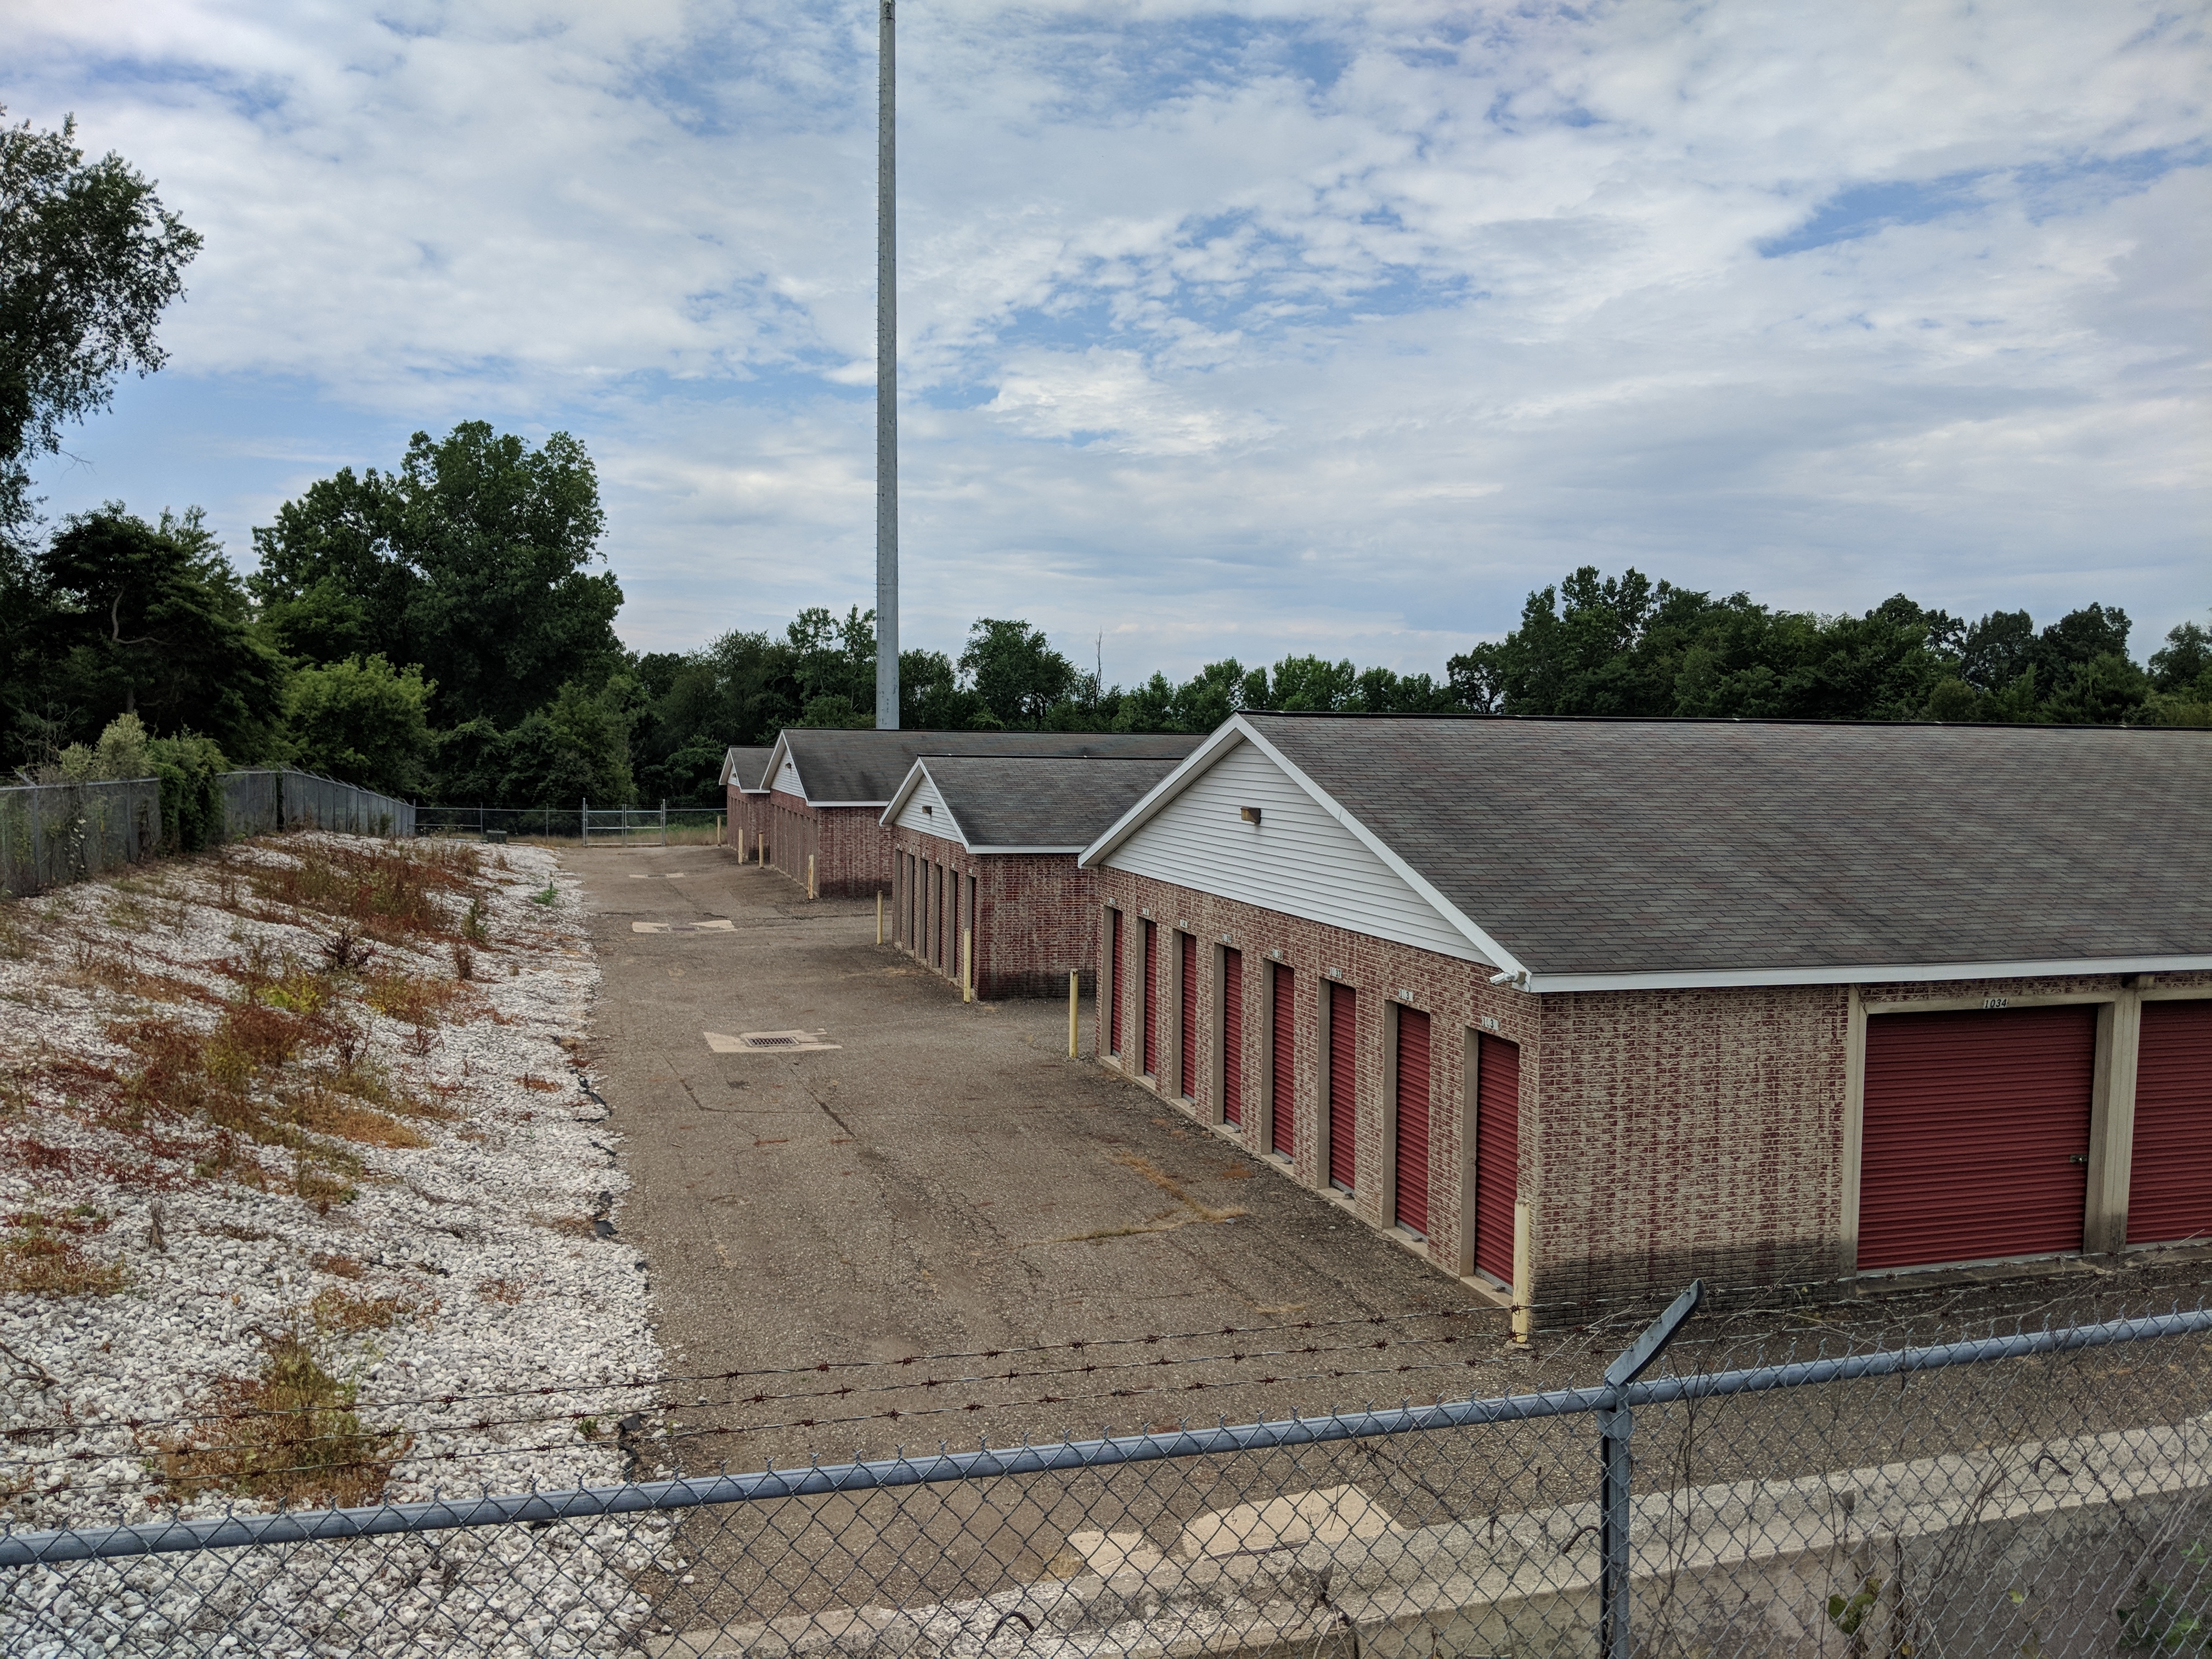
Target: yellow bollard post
[(879, 918), (1521, 1272), (1071, 1016), (810, 875), (967, 964)]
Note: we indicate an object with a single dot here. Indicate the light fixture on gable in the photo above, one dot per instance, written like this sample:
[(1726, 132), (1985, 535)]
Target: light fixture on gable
[(1249, 814)]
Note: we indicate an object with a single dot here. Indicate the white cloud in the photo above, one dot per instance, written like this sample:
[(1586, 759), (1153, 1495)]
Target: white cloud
[(1226, 329)]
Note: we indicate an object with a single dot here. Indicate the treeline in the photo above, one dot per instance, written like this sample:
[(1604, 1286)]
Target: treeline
[(431, 631), (1591, 645)]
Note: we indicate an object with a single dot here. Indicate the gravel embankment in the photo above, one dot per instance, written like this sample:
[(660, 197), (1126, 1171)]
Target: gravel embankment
[(252, 1131)]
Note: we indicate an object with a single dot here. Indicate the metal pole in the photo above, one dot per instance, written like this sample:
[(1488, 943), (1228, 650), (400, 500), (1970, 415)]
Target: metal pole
[(1616, 1423), (1071, 1016), (663, 820), (586, 816), (887, 633)]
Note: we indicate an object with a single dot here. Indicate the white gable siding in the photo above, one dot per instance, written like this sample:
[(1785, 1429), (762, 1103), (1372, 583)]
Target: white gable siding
[(1297, 859), (936, 821), (787, 778)]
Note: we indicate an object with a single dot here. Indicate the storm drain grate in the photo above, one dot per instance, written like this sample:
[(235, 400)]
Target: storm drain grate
[(746, 1043)]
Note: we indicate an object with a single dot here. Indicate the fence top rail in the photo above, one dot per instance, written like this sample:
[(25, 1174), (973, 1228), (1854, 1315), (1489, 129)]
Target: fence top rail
[(439, 1513), (79, 783)]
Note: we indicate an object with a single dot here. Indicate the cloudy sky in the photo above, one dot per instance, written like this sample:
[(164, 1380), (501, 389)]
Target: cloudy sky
[(1226, 329)]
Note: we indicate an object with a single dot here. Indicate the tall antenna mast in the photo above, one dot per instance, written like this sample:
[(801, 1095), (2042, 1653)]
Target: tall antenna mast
[(887, 645)]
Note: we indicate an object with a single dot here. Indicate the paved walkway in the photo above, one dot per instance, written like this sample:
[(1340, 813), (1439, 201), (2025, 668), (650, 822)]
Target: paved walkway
[(943, 1179)]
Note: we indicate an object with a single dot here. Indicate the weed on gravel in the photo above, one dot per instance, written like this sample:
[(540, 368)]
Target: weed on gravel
[(269, 1089), (290, 1435)]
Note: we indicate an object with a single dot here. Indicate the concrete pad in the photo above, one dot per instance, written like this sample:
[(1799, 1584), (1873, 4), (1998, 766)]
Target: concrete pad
[(1109, 1553), (1328, 1516), (768, 1042), (718, 927)]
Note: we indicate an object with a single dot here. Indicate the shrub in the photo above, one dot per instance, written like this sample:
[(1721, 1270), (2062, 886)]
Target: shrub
[(191, 771)]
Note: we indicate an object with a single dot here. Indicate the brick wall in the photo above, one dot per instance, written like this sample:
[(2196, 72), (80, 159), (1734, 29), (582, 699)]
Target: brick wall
[(1455, 994), (850, 846), (1035, 917), (1663, 1135), (1686, 1132), (749, 820)]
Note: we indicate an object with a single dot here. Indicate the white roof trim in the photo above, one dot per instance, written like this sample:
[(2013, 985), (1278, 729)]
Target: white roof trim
[(908, 784), (1237, 730), (1869, 974), (775, 763), (729, 765)]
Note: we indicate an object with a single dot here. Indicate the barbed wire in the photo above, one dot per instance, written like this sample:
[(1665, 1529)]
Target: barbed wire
[(663, 1383), (894, 1415)]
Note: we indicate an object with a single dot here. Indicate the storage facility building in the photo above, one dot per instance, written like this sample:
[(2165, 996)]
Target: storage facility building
[(745, 786), (1571, 1006), (828, 789), (985, 849)]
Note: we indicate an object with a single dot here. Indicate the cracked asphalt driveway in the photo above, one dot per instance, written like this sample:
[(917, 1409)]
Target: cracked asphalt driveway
[(945, 1180)]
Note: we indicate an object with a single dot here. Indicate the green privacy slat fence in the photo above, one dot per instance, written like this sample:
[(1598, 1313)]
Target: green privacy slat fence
[(51, 834)]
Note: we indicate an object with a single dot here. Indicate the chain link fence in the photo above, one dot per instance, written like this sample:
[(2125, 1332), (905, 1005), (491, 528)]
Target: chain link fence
[(583, 825), (54, 832), (1789, 1478), (262, 803)]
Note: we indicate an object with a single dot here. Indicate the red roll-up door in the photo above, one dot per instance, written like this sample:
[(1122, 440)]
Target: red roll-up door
[(2170, 1176), (1412, 1202), (1282, 1063), (1497, 1153), (1152, 1003), (1976, 1135), (1114, 994), (1232, 1037), (1343, 1110), (1187, 1027)]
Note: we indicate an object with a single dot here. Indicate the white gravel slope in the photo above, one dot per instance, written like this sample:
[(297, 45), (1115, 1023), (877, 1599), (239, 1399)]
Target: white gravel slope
[(484, 1232)]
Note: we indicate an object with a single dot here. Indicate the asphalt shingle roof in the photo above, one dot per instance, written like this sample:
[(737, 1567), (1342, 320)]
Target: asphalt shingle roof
[(867, 767), (1040, 801), (747, 765), (1631, 846)]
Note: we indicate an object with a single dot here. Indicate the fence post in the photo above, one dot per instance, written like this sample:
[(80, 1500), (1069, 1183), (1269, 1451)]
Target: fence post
[(1616, 1423), (586, 815), (663, 820)]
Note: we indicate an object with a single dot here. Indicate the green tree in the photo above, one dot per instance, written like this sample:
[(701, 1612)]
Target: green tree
[(1015, 671), (360, 721), (470, 560), (574, 749), (931, 696), (90, 258), (2181, 678), (150, 619)]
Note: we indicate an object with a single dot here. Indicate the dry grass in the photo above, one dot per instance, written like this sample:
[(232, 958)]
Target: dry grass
[(44, 1254), (394, 894), (1174, 1189), (507, 1292), (290, 1434), (415, 997), (338, 1266), (339, 1312), (541, 1085), (320, 1112)]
